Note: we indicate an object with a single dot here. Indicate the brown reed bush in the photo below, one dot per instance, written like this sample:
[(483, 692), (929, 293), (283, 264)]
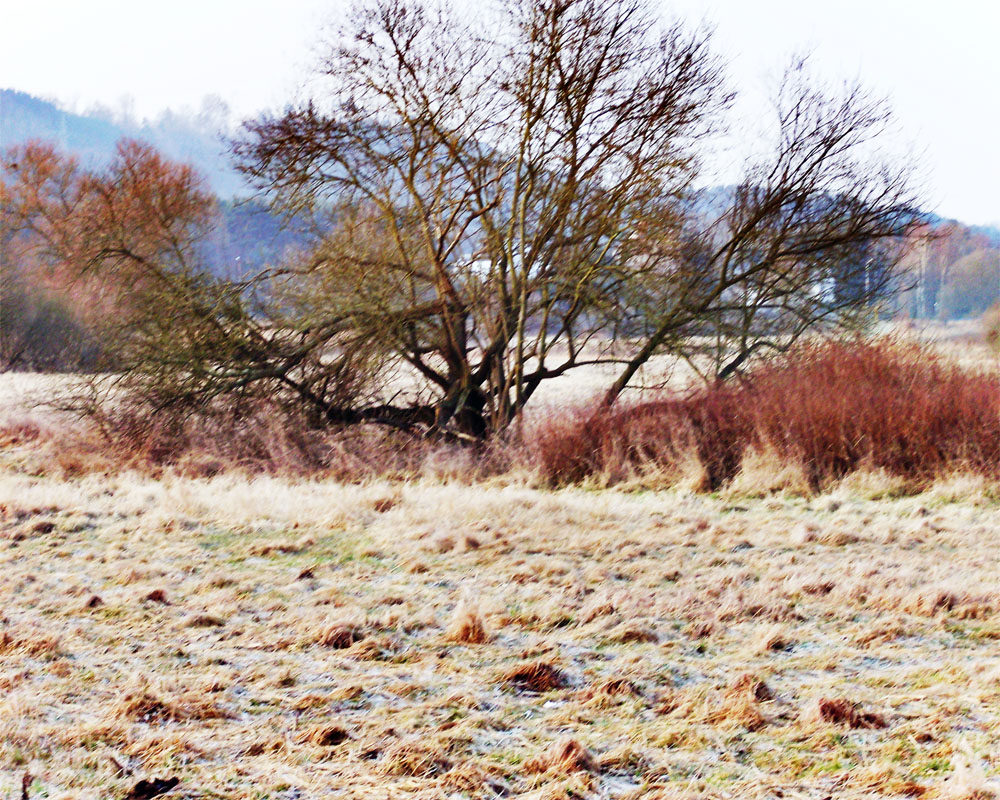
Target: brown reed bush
[(467, 625), (833, 407), (260, 437)]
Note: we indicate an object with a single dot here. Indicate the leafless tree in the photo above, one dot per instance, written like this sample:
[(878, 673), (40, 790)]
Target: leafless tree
[(810, 239), (499, 202), (512, 201), (487, 185)]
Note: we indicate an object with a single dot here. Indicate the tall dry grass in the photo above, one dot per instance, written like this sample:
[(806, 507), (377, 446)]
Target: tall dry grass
[(253, 438)]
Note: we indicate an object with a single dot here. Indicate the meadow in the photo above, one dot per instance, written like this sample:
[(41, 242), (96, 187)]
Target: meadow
[(631, 633)]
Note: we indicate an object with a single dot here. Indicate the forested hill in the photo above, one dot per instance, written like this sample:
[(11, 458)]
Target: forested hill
[(194, 138), (248, 236), (956, 275)]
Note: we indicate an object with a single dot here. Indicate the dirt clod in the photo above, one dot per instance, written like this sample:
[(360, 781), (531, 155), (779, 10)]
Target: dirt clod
[(327, 736), (146, 789)]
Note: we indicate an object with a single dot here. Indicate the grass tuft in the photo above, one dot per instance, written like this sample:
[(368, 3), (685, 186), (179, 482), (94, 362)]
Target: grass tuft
[(562, 758), (537, 677), (838, 711), (339, 636), (467, 625)]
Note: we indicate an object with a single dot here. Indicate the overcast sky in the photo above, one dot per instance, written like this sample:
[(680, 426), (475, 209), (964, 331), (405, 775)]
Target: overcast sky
[(938, 61)]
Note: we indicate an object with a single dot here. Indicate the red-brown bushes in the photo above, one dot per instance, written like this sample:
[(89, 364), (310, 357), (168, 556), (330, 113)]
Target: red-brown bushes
[(898, 407), (833, 407), (616, 444), (828, 408)]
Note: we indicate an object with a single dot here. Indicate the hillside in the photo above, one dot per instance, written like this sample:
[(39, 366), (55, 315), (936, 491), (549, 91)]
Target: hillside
[(956, 275), (196, 138)]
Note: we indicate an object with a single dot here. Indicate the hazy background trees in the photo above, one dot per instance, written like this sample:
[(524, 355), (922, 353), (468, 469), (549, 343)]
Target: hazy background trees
[(117, 245), (950, 272)]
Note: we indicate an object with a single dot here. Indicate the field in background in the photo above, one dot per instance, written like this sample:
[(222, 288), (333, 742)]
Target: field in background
[(286, 637)]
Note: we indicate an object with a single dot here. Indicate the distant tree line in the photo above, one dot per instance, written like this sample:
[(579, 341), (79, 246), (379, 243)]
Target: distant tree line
[(951, 271)]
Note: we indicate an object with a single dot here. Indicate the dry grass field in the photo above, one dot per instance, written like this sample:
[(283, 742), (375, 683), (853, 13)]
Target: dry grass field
[(267, 637)]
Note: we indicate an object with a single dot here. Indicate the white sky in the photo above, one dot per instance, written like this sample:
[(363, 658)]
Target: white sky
[(938, 61)]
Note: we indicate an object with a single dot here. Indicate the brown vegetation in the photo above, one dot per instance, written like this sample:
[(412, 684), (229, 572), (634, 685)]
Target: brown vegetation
[(538, 677), (339, 636), (832, 408), (467, 624), (844, 712), (143, 704), (891, 411), (563, 757)]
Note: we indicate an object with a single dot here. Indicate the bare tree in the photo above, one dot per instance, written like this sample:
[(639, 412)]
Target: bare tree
[(513, 201), (810, 239), (487, 185)]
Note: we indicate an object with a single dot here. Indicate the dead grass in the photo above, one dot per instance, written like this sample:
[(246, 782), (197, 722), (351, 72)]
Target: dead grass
[(265, 636), (149, 706), (563, 757), (467, 624), (536, 677), (639, 644), (339, 637), (325, 735), (414, 759), (30, 641), (610, 692)]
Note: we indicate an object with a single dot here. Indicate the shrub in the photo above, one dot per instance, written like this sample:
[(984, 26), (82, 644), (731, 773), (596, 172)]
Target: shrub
[(831, 406)]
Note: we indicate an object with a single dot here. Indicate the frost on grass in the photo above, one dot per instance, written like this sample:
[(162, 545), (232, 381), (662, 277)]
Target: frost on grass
[(283, 638)]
